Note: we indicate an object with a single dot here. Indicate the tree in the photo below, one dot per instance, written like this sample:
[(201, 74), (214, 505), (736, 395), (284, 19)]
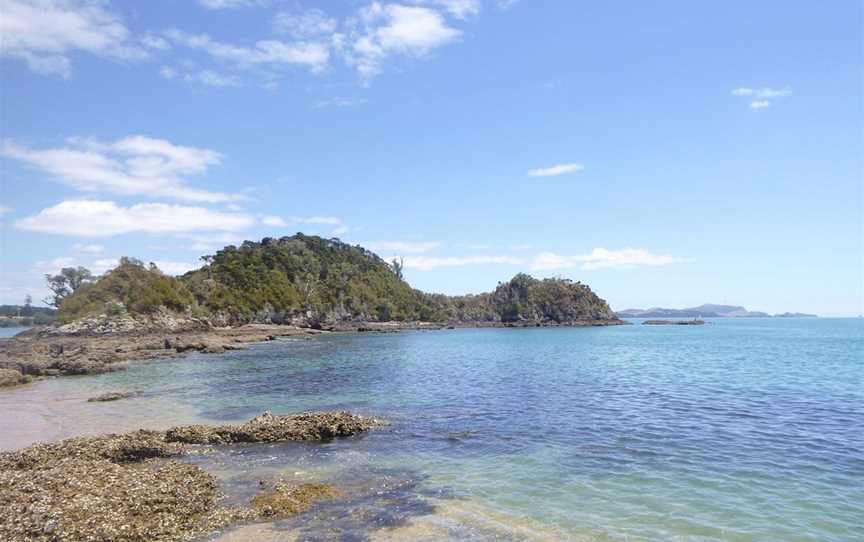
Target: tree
[(398, 265), (28, 306), (62, 285)]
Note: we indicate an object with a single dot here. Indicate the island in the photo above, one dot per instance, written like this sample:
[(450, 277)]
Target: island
[(299, 285)]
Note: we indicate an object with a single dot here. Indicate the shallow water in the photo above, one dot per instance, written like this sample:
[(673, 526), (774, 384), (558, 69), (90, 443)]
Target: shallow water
[(738, 430)]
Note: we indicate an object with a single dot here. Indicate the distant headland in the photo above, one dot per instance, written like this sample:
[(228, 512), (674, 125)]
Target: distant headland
[(707, 310)]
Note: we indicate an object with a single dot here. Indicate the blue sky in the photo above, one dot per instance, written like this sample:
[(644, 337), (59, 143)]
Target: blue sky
[(666, 153)]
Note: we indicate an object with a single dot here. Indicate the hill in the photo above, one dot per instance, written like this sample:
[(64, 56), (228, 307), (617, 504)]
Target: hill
[(312, 281)]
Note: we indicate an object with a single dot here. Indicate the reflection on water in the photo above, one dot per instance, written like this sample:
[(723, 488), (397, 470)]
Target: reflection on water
[(741, 430)]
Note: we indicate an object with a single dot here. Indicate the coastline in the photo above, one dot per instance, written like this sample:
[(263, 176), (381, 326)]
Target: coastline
[(45, 352)]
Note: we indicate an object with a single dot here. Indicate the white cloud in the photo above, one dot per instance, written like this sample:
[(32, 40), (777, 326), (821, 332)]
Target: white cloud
[(44, 32), (274, 221), (88, 218), (339, 101), (413, 247), (765, 92), (382, 30), (312, 54), (341, 230), (5, 209), (506, 4), (321, 220), (213, 79), (461, 9), (136, 165), (155, 42), (761, 98), (212, 241), (600, 258), (227, 4), (52, 267), (167, 72), (558, 169), (90, 249), (175, 268), (427, 263), (308, 24)]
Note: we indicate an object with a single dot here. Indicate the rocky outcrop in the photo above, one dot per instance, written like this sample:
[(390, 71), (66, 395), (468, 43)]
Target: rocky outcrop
[(160, 320), (123, 488), (46, 353)]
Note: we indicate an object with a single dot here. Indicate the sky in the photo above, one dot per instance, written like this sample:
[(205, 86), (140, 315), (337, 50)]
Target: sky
[(666, 153)]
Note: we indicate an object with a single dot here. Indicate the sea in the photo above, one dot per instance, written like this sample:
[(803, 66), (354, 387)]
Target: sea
[(737, 430)]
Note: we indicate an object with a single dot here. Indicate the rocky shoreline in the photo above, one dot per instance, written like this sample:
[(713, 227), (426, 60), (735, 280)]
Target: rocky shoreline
[(49, 352), (131, 488)]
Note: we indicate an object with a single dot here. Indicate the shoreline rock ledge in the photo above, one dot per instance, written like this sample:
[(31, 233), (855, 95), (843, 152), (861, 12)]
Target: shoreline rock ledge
[(130, 488)]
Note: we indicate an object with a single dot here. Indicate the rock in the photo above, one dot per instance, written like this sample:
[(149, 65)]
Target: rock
[(284, 501), (112, 396), (213, 349), (270, 428), (12, 377), (114, 487)]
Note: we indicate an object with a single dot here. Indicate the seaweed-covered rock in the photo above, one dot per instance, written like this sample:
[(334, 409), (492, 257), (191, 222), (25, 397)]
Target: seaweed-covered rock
[(120, 487), (129, 447), (285, 500), (100, 500), (12, 377), (270, 428)]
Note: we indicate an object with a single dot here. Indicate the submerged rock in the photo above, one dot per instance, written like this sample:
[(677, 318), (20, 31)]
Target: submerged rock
[(112, 396), (285, 500)]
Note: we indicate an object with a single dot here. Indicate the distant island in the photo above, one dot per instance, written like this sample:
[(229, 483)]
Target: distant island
[(707, 310)]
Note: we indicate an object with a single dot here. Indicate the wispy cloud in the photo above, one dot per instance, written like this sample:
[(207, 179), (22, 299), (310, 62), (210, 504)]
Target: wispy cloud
[(89, 249), (5, 209), (761, 98), (43, 33), (600, 258), (460, 9), (213, 79), (339, 101), (558, 169), (401, 247), (311, 54), (428, 263), (305, 24), (228, 4), (135, 165), (90, 218)]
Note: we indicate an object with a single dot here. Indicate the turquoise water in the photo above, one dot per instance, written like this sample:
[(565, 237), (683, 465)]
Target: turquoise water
[(740, 430)]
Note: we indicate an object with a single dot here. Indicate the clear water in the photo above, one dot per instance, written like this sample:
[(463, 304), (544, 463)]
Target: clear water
[(740, 430), (11, 331)]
